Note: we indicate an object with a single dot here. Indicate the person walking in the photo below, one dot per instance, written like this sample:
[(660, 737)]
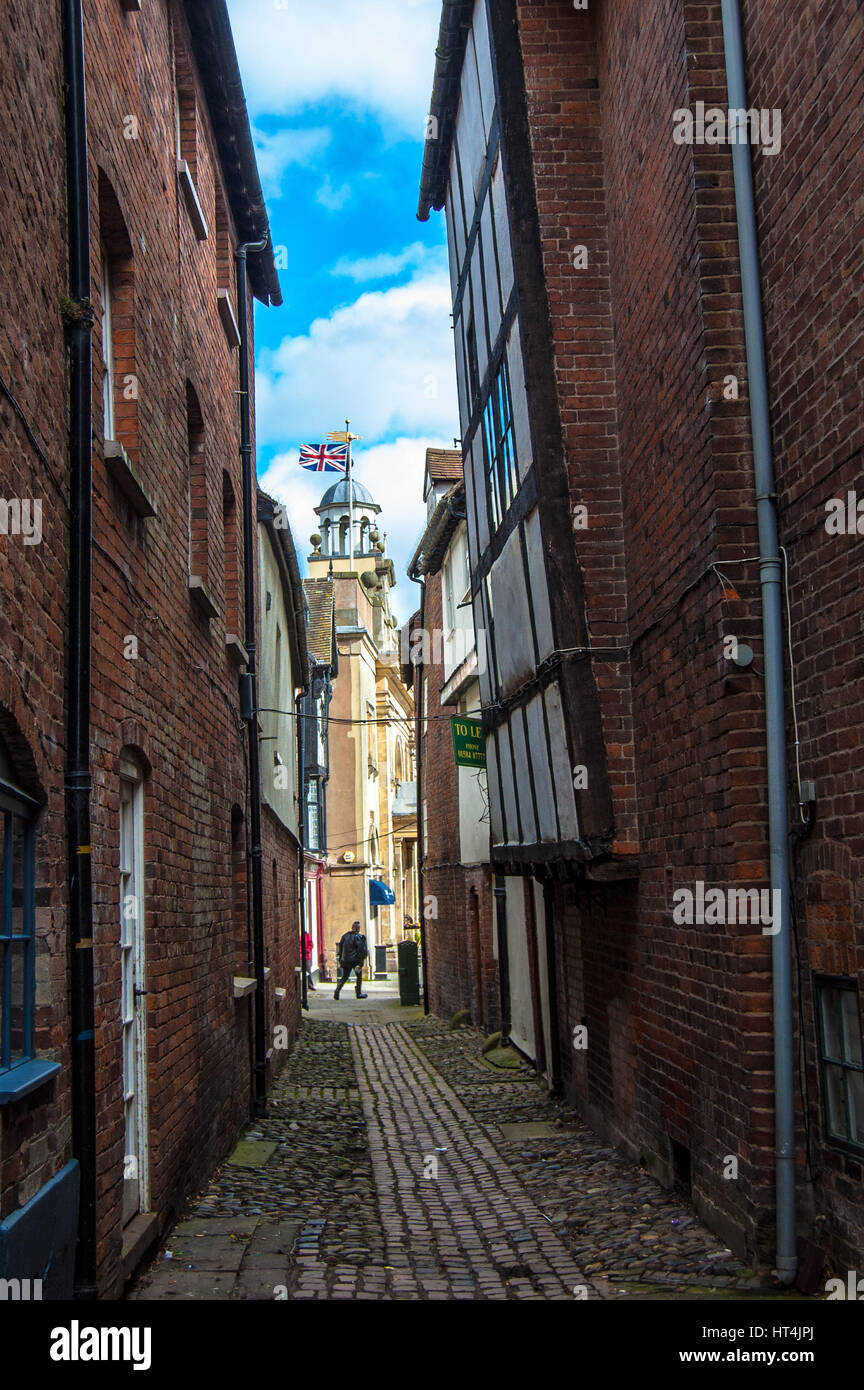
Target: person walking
[(350, 954), (307, 955)]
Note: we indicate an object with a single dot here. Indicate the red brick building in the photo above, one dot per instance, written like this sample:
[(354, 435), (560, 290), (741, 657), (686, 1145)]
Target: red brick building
[(609, 404), (442, 659), (173, 190)]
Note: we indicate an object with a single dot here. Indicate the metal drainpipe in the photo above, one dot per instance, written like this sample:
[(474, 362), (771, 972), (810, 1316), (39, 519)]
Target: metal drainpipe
[(770, 569), (418, 746), (251, 710), (78, 784), (301, 835)]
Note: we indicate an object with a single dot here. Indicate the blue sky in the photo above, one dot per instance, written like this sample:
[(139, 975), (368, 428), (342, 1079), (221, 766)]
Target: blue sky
[(338, 92)]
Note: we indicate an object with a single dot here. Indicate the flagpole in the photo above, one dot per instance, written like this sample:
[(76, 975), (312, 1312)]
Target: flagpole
[(350, 492)]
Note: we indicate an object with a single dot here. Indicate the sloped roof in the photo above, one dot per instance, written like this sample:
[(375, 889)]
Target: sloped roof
[(449, 57), (429, 555), (319, 625), (213, 43), (444, 465)]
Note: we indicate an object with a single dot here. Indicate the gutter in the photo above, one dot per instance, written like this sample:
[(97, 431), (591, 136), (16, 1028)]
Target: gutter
[(78, 784), (250, 700), (449, 56), (300, 732), (441, 525), (418, 745), (216, 55), (771, 576)]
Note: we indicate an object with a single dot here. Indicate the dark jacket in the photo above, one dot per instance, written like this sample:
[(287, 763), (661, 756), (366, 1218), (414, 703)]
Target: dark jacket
[(352, 948)]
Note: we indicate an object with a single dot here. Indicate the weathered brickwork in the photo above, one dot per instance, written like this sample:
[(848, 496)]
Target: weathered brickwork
[(35, 1133), (165, 697), (810, 64), (679, 1060)]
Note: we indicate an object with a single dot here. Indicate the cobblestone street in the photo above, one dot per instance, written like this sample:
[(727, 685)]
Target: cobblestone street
[(397, 1164)]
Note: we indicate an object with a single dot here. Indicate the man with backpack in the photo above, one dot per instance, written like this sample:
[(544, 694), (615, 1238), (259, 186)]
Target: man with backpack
[(350, 955)]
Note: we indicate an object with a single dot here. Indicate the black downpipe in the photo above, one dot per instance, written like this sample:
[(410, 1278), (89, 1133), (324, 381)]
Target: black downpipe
[(552, 978), (421, 847), (250, 711), (78, 784), (500, 893), (301, 835)]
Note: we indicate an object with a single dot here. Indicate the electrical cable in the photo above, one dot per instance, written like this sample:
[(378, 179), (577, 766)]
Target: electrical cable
[(395, 719), (792, 702), (25, 425)]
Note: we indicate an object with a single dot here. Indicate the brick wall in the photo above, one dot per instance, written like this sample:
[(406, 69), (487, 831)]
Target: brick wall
[(35, 1133), (810, 64), (678, 1016), (170, 705), (679, 1062), (462, 970)]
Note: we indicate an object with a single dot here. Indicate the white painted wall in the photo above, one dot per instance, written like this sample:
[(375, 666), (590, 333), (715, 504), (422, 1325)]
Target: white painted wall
[(276, 691)]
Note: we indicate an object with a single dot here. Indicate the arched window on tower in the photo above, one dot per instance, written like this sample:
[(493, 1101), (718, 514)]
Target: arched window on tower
[(325, 533), (343, 535), (364, 535)]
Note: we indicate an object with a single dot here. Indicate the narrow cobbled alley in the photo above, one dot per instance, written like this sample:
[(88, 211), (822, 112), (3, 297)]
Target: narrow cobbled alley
[(395, 1163)]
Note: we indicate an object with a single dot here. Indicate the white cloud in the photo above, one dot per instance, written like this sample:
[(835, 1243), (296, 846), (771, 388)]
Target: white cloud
[(375, 56), (383, 266), (393, 473), (333, 199), (277, 152), (385, 360)]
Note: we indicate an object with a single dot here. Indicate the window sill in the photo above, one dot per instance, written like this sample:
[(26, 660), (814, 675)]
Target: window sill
[(193, 206), (23, 1079), (201, 596), (243, 986), (131, 6), (127, 478), (236, 651), (226, 314)]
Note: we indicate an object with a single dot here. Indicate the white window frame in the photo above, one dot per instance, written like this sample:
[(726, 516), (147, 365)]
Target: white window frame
[(109, 418)]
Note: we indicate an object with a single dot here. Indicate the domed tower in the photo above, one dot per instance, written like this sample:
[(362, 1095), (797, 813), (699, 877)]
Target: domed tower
[(371, 569), (333, 512), (370, 838)]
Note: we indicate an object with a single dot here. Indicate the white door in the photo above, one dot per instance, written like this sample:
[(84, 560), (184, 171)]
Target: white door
[(133, 997), (519, 969)]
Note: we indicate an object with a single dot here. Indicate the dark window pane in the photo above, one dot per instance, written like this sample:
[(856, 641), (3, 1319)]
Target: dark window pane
[(831, 1025), (835, 1102), (851, 1025), (5, 843), (855, 1097), (20, 926), (3, 1008), (19, 1042)]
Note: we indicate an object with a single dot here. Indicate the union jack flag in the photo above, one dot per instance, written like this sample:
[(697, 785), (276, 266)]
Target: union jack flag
[(324, 458)]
